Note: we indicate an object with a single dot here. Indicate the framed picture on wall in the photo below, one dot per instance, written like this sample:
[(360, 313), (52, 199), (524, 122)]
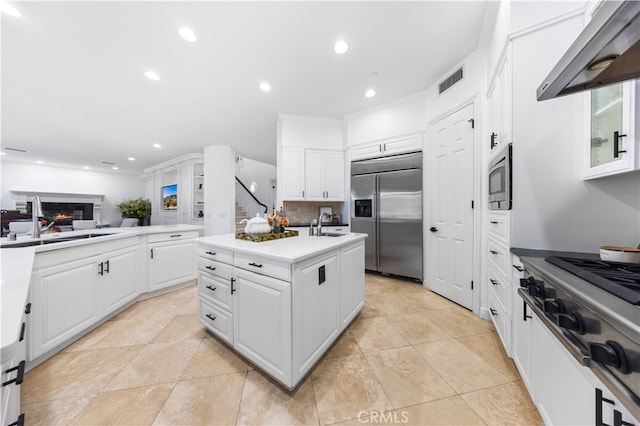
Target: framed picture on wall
[(170, 197)]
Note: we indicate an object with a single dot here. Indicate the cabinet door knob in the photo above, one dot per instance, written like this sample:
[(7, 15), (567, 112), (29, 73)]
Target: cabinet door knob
[(493, 252), (493, 311), (233, 290), (493, 282), (433, 229)]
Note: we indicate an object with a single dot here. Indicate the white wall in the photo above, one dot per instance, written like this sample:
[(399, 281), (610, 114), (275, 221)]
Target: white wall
[(310, 132), (219, 190), (553, 208), (402, 116), (116, 187), (263, 175)]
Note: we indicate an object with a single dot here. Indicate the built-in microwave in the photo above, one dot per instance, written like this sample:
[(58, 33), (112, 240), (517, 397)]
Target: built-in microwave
[(500, 180)]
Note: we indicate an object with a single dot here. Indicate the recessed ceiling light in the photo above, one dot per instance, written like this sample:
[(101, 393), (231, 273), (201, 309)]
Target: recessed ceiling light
[(131, 159), (157, 145), (40, 162), (370, 93), (187, 34), (3, 153), (265, 87), (9, 10), (340, 47), (86, 168), (151, 75), (114, 168)]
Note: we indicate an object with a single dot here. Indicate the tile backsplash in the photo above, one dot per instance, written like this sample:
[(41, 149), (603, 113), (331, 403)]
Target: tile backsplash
[(303, 212)]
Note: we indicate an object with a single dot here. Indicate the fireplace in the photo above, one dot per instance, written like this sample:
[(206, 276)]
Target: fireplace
[(64, 214), (63, 208)]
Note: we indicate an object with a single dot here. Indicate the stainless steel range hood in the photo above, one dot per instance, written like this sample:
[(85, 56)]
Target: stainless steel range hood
[(613, 35)]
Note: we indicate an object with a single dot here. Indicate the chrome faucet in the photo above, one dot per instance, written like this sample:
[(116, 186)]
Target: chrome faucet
[(319, 226), (36, 214)]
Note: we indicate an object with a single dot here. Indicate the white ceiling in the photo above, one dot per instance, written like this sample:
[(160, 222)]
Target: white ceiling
[(74, 91)]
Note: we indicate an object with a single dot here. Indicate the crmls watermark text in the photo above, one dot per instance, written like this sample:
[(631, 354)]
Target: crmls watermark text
[(374, 417)]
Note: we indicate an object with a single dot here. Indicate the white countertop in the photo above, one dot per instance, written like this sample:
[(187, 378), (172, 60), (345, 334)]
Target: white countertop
[(291, 249), (16, 265)]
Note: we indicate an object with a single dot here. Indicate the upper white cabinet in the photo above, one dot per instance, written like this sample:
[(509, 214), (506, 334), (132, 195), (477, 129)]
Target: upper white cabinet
[(324, 175), (312, 175), (293, 164), (396, 145), (500, 105), (613, 145)]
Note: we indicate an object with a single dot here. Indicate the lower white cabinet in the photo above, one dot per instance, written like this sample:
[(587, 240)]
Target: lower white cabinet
[(262, 322), (11, 376), (171, 260), (65, 302), (116, 282), (316, 310), (352, 283)]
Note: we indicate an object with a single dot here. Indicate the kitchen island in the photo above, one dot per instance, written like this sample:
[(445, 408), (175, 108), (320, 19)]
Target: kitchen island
[(282, 303)]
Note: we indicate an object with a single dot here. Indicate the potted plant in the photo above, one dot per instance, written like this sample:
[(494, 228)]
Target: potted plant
[(139, 208)]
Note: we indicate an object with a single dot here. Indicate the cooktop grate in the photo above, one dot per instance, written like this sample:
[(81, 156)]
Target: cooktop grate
[(618, 278)]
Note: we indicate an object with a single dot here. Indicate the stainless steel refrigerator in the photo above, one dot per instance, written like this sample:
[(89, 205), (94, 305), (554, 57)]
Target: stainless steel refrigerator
[(386, 203)]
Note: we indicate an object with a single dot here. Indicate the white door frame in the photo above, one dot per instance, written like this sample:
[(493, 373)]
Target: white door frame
[(478, 210)]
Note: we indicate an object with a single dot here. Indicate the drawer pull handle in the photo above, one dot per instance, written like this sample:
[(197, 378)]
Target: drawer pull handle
[(212, 318), (176, 235), (210, 268), (494, 282), (19, 422), (22, 330), (212, 253), (27, 309), (257, 265), (19, 377), (518, 268), (211, 288), (493, 252), (493, 311), (494, 222)]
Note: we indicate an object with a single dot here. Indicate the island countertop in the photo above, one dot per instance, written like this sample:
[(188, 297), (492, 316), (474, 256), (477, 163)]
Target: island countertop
[(291, 249)]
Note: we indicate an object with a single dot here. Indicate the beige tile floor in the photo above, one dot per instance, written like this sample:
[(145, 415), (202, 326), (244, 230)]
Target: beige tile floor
[(410, 357)]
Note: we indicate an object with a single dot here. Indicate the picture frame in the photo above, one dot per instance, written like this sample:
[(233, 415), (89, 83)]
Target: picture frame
[(170, 197)]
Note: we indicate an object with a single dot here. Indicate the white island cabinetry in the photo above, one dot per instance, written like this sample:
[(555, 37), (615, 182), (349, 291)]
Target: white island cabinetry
[(281, 304), (171, 258)]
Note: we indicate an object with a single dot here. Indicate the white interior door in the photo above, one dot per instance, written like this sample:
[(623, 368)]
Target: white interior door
[(451, 213)]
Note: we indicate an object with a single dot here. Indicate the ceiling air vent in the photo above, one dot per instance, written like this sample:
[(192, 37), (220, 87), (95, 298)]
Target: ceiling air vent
[(450, 81)]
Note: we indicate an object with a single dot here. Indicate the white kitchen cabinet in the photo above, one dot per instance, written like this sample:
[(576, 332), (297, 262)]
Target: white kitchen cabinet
[(171, 259), (324, 175), (65, 302), (614, 135), (316, 309), (500, 105), (352, 289), (499, 275), (117, 279), (522, 330), (11, 376), (262, 322), (293, 172), (391, 146)]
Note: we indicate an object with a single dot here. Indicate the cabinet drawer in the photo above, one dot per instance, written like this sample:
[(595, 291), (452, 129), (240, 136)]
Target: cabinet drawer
[(500, 321), (171, 236), (216, 289), (499, 226), (517, 270), (264, 266), (499, 255), (216, 268), (214, 253), (217, 320), (500, 287)]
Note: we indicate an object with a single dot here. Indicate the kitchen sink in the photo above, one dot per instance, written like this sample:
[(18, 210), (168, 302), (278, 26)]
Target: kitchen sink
[(332, 234), (32, 243)]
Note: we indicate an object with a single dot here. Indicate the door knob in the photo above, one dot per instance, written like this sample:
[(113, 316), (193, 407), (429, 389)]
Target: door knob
[(433, 229)]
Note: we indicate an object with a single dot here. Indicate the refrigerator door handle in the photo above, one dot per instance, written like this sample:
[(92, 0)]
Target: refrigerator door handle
[(376, 217)]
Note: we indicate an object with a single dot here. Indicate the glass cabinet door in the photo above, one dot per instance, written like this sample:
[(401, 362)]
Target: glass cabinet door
[(612, 140), (606, 119)]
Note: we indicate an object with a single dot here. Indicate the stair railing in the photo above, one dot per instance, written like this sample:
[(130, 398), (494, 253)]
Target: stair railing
[(266, 209)]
